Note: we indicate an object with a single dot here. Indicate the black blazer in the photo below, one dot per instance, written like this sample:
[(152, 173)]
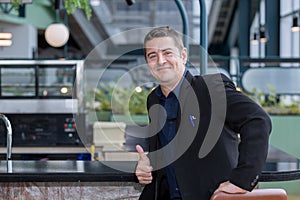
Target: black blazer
[(207, 149)]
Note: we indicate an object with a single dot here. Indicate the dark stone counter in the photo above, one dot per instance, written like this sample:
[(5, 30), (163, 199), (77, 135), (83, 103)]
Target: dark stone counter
[(67, 171)]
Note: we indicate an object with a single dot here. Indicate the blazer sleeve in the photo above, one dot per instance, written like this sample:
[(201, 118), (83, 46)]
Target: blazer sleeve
[(247, 118)]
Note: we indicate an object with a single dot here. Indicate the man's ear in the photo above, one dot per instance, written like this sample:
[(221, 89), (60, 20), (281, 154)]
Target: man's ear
[(184, 54)]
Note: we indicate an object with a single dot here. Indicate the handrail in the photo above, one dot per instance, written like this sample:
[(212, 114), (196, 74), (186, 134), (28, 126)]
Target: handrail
[(185, 24), (279, 176), (203, 37)]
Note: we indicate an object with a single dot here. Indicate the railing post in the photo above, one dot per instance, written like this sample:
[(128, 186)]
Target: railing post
[(203, 38), (185, 24)]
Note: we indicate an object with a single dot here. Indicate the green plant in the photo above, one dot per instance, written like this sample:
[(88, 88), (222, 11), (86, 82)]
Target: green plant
[(120, 100), (72, 5), (137, 103), (17, 2), (103, 96), (130, 100), (273, 104)]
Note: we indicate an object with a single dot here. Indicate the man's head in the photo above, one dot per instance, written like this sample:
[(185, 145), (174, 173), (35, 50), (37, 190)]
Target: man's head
[(166, 56), (164, 31)]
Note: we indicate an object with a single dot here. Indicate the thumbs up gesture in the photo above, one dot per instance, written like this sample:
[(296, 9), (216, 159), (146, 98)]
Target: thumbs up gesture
[(143, 170)]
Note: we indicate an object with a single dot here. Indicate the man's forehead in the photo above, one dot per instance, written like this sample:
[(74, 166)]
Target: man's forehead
[(158, 49)]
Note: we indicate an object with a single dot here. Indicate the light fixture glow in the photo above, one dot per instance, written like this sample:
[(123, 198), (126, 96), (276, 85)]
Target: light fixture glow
[(45, 92), (138, 89), (95, 2), (6, 36), (57, 35), (5, 43), (64, 90), (262, 35), (254, 40), (295, 27)]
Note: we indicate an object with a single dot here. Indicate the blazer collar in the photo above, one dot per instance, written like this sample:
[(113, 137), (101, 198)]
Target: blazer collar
[(186, 86)]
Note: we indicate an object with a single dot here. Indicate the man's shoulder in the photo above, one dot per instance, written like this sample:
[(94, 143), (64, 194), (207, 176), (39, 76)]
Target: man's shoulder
[(217, 80), (212, 78)]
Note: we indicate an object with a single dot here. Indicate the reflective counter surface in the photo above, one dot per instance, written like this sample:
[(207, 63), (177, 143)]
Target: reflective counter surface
[(67, 171), (280, 166)]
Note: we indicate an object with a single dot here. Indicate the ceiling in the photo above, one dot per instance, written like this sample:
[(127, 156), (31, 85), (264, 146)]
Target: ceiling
[(116, 17)]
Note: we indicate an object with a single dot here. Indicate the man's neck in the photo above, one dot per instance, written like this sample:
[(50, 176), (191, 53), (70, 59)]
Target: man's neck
[(166, 89)]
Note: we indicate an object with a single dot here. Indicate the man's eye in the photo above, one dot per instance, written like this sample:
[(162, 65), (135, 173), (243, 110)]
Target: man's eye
[(151, 57), (168, 53)]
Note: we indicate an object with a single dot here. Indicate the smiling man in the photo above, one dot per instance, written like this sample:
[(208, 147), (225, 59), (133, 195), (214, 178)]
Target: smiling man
[(173, 168)]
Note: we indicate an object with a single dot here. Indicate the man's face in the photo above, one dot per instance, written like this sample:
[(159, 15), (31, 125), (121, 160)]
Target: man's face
[(166, 62)]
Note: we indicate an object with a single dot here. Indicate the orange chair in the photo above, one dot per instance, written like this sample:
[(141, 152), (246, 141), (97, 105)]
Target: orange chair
[(256, 194)]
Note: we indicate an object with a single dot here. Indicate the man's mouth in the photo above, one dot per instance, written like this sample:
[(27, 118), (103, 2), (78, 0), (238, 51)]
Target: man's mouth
[(162, 68)]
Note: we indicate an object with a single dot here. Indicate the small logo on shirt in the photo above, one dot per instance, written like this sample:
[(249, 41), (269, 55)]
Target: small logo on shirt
[(192, 118)]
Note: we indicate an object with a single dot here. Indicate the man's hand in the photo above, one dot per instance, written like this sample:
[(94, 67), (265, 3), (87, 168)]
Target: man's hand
[(230, 188), (144, 169)]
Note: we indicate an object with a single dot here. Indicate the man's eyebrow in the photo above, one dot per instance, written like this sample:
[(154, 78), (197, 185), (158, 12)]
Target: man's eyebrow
[(166, 49)]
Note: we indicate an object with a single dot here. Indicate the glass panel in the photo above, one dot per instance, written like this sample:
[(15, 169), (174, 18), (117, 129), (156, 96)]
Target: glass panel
[(283, 80), (17, 82), (56, 81)]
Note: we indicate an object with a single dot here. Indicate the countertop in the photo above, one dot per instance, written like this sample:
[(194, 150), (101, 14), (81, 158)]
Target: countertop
[(68, 171), (280, 166), (45, 150)]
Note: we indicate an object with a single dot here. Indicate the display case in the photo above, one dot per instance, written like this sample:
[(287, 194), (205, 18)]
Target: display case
[(42, 101), (37, 81)]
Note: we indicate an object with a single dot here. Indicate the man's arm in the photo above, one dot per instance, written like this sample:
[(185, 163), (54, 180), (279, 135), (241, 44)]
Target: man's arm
[(254, 126)]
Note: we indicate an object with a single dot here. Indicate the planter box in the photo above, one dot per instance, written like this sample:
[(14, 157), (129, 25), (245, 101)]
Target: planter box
[(130, 119), (109, 135)]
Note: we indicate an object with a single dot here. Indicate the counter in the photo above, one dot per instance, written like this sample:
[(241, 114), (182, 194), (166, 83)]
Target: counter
[(45, 150), (70, 179), (280, 166), (67, 171), (65, 180)]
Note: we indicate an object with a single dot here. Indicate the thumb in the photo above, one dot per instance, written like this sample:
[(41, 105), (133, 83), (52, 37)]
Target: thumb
[(141, 152)]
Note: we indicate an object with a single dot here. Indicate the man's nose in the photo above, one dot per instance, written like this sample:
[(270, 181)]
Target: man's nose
[(161, 59)]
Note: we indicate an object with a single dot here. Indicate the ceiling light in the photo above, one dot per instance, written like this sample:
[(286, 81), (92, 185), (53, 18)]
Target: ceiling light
[(5, 36), (295, 27), (255, 39), (57, 34), (5, 43), (130, 2), (262, 34)]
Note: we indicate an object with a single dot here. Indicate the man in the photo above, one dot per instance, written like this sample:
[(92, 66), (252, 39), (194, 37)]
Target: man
[(197, 114)]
